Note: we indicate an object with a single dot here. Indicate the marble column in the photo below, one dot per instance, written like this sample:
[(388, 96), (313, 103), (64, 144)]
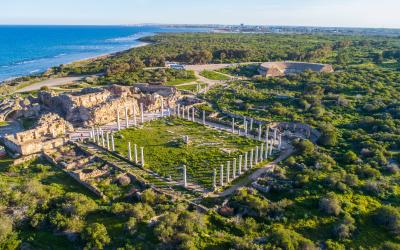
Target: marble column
[(162, 107), (126, 117), (251, 124), (233, 125), (251, 158), (245, 128), (178, 110), (267, 135), (118, 121), (259, 131), (204, 117), (271, 146), (188, 113), (215, 179), (240, 164), (108, 140), (228, 172), (134, 115), (234, 169), (221, 175), (280, 142), (193, 111), (275, 135), (142, 156), (266, 150), (93, 137), (141, 113), (112, 142), (98, 136), (103, 142), (135, 148), (184, 176), (129, 151), (256, 156), (262, 152), (245, 161)]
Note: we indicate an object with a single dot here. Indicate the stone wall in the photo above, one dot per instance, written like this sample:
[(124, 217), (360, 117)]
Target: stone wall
[(97, 106), (49, 133)]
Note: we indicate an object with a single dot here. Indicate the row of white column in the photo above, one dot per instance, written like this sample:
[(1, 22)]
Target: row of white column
[(242, 164), (107, 140)]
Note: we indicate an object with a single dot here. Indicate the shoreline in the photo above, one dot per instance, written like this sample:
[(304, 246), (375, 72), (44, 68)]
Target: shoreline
[(93, 58)]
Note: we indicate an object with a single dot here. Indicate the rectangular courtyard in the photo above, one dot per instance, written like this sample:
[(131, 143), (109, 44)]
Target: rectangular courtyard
[(166, 149)]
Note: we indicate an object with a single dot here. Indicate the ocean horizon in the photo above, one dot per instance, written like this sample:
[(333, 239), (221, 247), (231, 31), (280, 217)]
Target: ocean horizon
[(28, 50)]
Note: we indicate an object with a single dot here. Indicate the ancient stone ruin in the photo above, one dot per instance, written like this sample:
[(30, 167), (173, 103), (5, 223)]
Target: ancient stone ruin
[(96, 106), (49, 133), (274, 69)]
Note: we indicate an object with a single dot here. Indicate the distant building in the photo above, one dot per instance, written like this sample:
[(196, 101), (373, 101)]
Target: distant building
[(174, 65), (274, 69)]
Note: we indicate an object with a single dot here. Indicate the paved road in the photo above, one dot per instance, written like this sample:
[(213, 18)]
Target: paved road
[(51, 83)]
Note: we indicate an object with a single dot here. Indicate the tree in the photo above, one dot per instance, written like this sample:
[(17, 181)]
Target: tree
[(290, 240), (328, 135), (304, 146), (96, 236)]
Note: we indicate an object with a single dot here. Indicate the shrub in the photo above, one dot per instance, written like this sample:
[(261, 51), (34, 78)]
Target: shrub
[(345, 228), (390, 246), (290, 240), (389, 218), (96, 236), (330, 205)]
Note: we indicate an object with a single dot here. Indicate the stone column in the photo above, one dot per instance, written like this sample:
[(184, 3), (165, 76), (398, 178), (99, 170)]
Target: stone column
[(108, 140), (184, 176), (259, 132), (240, 164), (141, 113), (118, 121), (103, 143), (221, 176), (266, 151), (136, 154), (245, 161), (280, 142), (93, 137), (275, 135), (234, 169), (204, 117), (215, 179), (256, 156), (271, 146), (251, 158), (228, 172), (142, 156), (129, 151), (126, 117), (251, 124), (98, 136), (233, 125), (193, 114), (261, 152), (134, 116), (188, 113), (162, 107), (178, 110), (112, 142), (267, 135)]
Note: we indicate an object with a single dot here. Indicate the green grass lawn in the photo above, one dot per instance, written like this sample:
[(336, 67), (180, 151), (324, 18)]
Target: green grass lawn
[(192, 87), (166, 153), (179, 81), (213, 75)]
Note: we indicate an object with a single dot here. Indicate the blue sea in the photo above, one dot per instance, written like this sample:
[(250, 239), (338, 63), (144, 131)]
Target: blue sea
[(27, 50)]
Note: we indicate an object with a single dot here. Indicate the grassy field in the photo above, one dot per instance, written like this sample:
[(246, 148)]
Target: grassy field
[(191, 87), (213, 75), (166, 153)]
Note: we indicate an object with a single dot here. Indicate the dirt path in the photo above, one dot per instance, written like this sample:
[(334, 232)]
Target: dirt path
[(51, 83)]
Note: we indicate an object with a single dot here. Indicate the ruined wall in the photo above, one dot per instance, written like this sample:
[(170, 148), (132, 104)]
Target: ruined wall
[(97, 106), (49, 133)]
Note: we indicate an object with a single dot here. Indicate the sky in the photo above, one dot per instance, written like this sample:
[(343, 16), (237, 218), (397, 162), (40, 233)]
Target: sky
[(331, 13)]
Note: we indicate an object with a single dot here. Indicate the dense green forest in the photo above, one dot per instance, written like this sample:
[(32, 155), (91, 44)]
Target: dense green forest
[(341, 193)]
